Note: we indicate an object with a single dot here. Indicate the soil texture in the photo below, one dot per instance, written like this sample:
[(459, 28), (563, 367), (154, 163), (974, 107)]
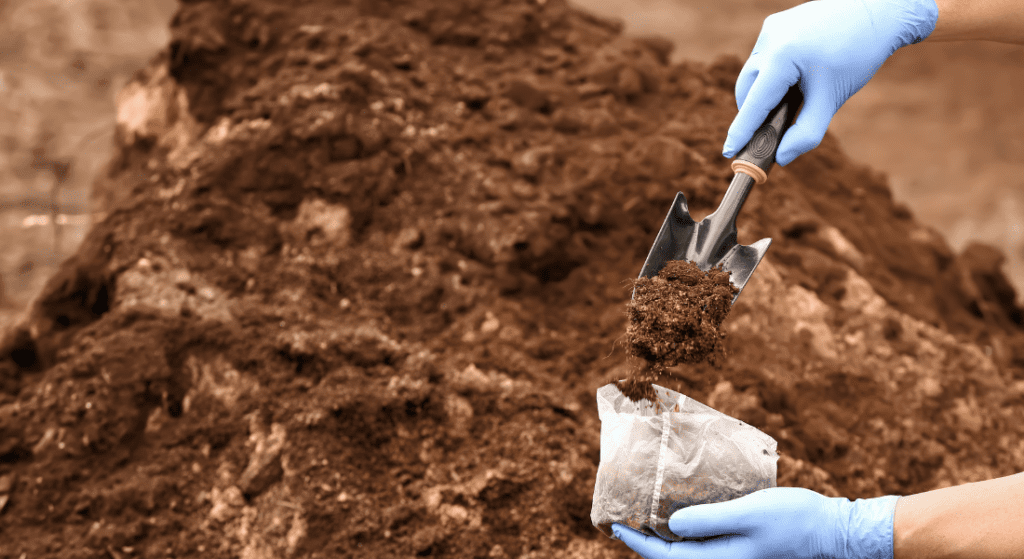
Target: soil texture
[(674, 318), (359, 279)]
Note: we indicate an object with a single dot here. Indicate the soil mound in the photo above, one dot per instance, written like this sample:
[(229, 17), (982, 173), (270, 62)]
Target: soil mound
[(363, 267)]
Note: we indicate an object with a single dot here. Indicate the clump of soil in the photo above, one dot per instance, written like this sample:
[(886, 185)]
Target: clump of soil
[(639, 385), (675, 318)]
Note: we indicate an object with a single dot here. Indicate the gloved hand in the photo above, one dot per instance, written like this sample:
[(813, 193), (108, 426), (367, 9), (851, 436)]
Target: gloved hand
[(832, 47), (773, 523)]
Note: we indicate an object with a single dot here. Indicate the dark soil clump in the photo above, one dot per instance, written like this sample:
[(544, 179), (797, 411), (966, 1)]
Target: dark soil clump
[(639, 385), (674, 318)]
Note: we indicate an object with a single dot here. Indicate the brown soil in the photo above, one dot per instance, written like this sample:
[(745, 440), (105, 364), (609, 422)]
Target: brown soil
[(359, 281), (639, 385), (675, 318)]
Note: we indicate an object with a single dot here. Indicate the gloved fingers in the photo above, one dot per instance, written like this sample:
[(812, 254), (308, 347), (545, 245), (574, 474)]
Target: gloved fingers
[(725, 547), (808, 130), (750, 69), (768, 88), (649, 547), (716, 519), (746, 79), (653, 547)]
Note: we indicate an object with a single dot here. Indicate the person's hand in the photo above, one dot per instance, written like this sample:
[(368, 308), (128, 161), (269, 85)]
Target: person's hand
[(772, 523), (832, 47)]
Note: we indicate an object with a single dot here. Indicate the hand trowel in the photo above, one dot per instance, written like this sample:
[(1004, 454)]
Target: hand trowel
[(712, 242)]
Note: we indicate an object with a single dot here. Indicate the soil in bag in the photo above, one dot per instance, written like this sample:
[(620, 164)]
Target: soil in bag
[(675, 318), (670, 452)]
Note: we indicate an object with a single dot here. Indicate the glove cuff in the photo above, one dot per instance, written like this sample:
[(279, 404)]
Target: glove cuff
[(919, 20), (908, 22), (869, 524)]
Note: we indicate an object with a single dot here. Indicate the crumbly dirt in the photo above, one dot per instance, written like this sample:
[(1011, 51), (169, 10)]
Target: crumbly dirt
[(675, 317), (639, 385), (359, 280)]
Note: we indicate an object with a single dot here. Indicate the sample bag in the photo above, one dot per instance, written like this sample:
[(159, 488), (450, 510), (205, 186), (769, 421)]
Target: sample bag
[(659, 458)]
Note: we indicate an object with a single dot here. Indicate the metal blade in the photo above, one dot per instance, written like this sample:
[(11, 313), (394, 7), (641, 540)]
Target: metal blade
[(681, 238), (673, 240), (741, 262)]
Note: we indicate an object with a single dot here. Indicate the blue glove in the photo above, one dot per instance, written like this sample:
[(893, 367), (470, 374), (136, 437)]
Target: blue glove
[(773, 523), (832, 47)]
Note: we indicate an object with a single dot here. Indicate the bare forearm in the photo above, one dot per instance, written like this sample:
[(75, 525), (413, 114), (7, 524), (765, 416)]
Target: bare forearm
[(980, 20), (983, 520)]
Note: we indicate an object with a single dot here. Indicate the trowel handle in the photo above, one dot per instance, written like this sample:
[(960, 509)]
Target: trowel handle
[(757, 157)]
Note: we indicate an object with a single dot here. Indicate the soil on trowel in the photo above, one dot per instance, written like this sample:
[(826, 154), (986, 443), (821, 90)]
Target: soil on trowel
[(675, 318)]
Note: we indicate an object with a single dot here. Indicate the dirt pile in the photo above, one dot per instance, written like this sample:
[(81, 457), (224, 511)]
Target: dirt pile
[(364, 266)]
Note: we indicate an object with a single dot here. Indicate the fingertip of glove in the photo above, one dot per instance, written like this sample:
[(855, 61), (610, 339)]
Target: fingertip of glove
[(791, 148), (677, 525), (784, 158)]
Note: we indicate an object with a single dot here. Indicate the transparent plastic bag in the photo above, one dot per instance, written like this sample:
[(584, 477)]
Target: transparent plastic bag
[(659, 458)]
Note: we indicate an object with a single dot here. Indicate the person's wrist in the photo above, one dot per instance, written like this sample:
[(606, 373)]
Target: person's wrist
[(868, 528)]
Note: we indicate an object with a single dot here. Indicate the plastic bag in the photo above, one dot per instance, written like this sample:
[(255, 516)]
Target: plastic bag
[(659, 458)]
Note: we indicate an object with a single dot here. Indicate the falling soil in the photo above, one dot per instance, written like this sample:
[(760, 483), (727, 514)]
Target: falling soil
[(639, 384), (358, 281), (675, 317)]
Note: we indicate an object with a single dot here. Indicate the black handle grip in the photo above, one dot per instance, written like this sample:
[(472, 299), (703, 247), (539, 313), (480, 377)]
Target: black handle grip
[(764, 144)]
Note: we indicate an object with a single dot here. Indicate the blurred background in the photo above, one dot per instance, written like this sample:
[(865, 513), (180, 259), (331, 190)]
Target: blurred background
[(61, 63), (943, 121)]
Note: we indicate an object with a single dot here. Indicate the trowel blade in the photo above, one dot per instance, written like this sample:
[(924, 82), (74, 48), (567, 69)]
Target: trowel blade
[(680, 238), (673, 240), (741, 261)]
